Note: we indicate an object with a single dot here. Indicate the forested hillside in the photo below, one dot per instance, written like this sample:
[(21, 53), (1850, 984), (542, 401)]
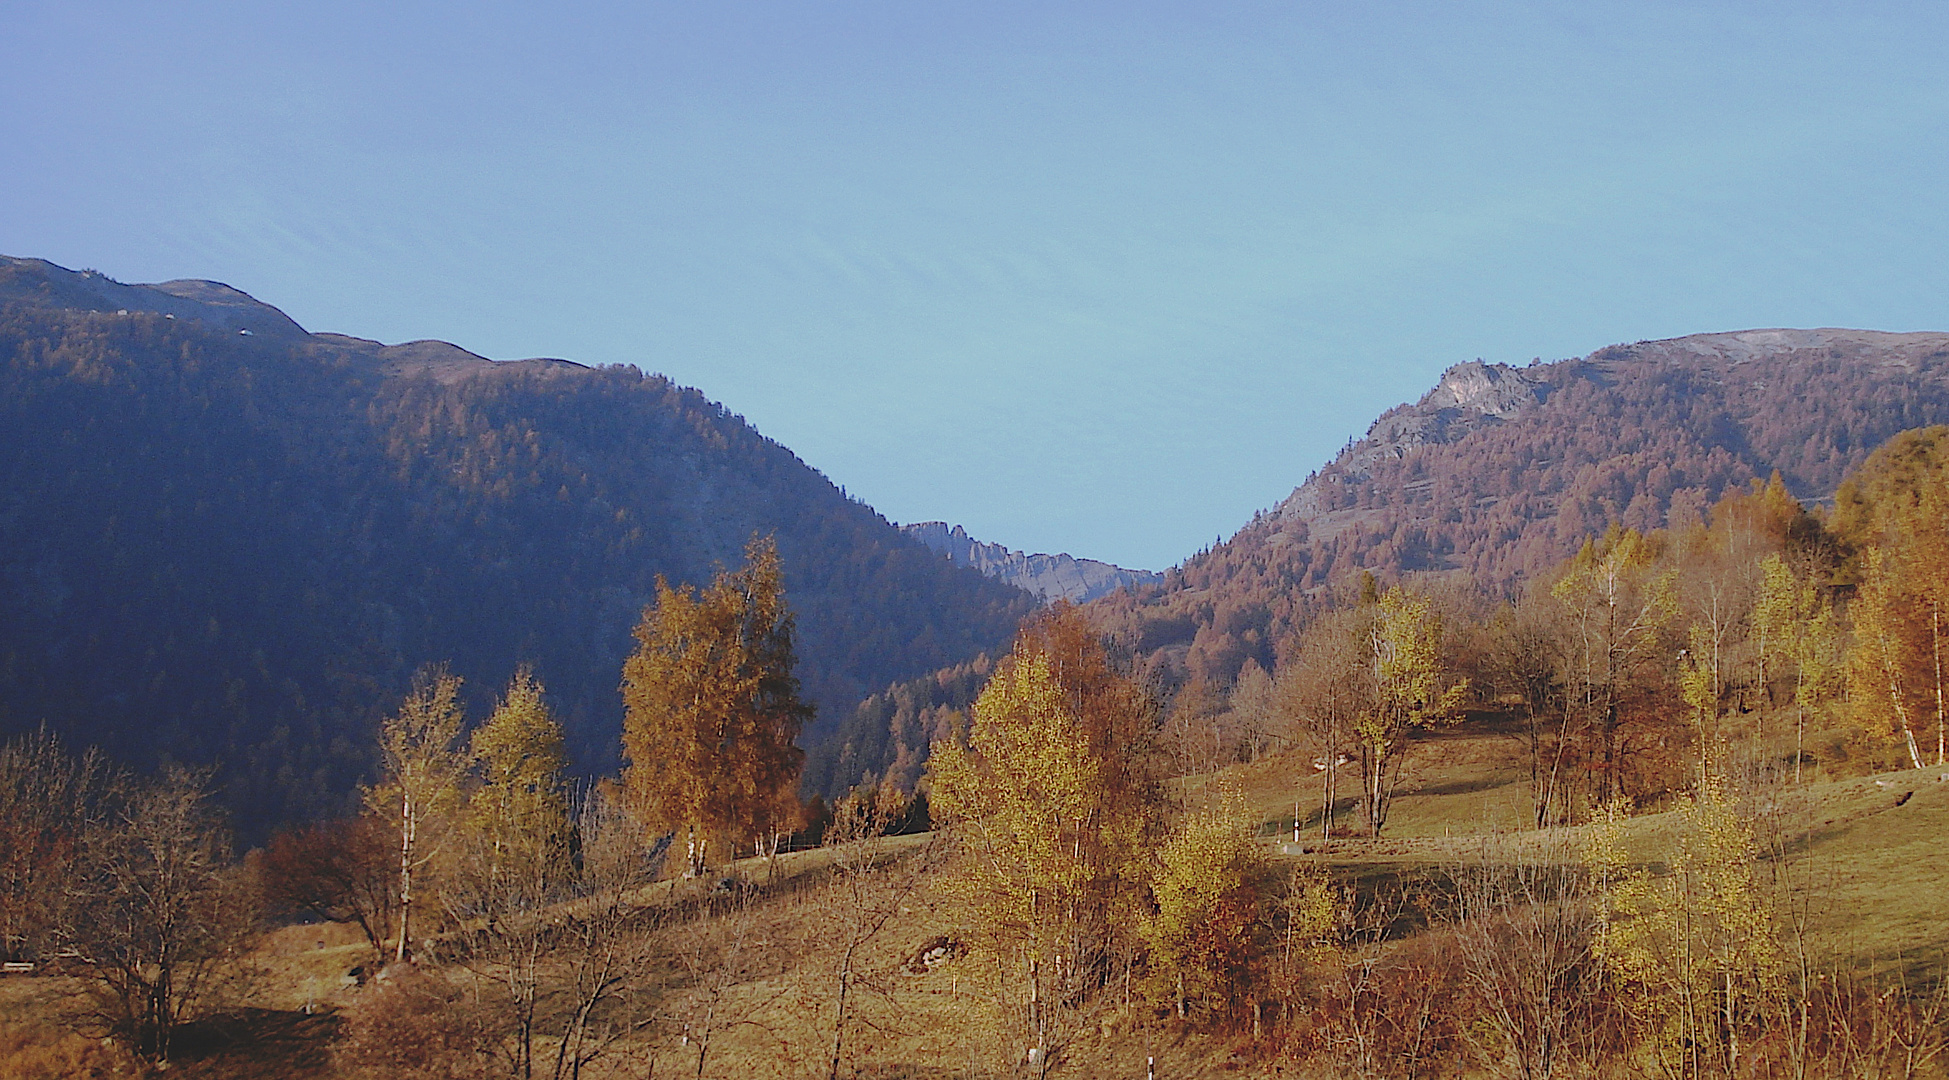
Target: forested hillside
[(230, 547), (1500, 472)]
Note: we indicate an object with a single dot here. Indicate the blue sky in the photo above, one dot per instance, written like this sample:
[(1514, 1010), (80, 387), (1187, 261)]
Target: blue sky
[(1097, 278)]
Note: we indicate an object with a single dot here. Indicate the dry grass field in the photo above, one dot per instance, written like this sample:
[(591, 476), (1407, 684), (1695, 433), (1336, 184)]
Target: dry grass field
[(751, 988)]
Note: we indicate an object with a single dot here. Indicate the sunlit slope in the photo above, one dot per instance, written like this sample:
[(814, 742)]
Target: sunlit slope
[(1868, 856)]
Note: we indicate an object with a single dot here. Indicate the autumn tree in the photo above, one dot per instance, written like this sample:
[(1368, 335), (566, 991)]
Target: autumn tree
[(513, 859), (712, 709), (519, 811), (1890, 669), (1693, 951), (344, 871), (1021, 794), (1410, 688), (1525, 664), (1618, 604), (1205, 938), (423, 766), (1799, 636), (1894, 511)]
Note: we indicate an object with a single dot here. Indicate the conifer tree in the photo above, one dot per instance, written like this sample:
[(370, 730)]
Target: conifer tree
[(712, 709)]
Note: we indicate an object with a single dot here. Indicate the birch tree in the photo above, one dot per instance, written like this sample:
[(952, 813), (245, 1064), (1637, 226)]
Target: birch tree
[(1020, 795), (423, 765), (1411, 688), (712, 711)]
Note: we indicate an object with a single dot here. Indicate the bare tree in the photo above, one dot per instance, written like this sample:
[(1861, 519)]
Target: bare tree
[(606, 935), (1524, 925), (1321, 690), (1525, 662), (869, 887), (163, 909)]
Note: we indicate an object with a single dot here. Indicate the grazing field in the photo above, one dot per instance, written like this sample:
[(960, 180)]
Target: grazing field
[(746, 961)]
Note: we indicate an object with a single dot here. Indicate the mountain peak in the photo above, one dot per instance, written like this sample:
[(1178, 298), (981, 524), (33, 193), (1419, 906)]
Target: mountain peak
[(1050, 577), (39, 283)]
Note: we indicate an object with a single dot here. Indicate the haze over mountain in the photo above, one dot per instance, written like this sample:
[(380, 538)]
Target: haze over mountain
[(1051, 577), (224, 539), (1501, 471)]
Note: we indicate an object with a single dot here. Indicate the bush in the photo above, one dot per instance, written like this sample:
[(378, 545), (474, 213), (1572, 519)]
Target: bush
[(415, 1026)]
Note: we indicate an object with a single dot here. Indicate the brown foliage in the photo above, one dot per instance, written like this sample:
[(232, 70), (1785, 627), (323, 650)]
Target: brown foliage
[(343, 871), (414, 1025), (37, 1053)]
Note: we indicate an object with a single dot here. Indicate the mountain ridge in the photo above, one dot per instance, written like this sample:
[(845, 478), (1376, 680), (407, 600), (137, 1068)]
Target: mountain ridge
[(218, 547), (1500, 471), (1050, 577)]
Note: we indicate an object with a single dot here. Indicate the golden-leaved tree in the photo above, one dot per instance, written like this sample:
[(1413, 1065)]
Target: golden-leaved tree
[(712, 710), (1021, 794), (423, 766), (1206, 937), (1895, 511), (514, 862), (1692, 951), (1053, 806), (520, 810), (1411, 688)]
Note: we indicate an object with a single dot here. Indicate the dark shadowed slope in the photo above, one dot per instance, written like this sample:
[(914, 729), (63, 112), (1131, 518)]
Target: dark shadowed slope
[(231, 547)]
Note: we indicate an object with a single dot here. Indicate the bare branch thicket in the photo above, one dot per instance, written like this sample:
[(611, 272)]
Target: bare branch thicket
[(560, 949), (604, 984), (49, 802), (723, 956), (870, 888), (1524, 924), (1388, 1006)]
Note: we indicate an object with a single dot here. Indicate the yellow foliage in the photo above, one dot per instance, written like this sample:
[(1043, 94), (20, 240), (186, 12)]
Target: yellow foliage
[(1203, 937), (1693, 950), (711, 709), (520, 810), (1022, 791)]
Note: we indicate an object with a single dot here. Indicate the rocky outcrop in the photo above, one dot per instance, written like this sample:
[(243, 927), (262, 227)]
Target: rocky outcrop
[(1050, 577)]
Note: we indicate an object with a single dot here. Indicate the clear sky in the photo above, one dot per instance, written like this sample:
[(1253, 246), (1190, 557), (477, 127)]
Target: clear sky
[(1097, 278)]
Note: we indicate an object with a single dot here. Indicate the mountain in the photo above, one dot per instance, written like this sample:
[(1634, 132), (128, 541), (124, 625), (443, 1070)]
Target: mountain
[(226, 540), (1051, 577), (1500, 472)]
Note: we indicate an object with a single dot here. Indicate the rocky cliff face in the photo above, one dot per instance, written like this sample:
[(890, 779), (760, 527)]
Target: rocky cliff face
[(1051, 577), (1468, 398)]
